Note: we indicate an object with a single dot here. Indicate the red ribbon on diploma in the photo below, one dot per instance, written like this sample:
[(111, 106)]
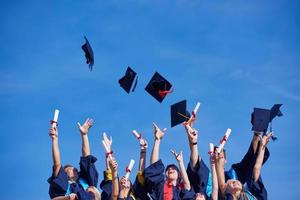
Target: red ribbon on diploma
[(128, 170)]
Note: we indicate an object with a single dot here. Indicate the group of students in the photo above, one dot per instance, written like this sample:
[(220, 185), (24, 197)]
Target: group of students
[(198, 181)]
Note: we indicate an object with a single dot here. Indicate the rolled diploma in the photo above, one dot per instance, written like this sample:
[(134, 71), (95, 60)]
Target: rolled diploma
[(197, 108), (194, 112), (130, 166), (211, 148), (137, 135), (55, 118), (226, 136), (106, 149)]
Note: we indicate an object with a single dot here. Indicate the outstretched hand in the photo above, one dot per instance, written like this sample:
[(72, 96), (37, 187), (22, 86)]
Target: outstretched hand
[(178, 156), (143, 144), (86, 126), (192, 133), (265, 139), (159, 134), (107, 141), (53, 133), (124, 183), (113, 165)]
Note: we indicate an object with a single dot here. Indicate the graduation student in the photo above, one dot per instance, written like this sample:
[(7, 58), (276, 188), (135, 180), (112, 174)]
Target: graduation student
[(136, 190), (204, 182), (174, 184), (255, 189), (110, 183), (67, 182)]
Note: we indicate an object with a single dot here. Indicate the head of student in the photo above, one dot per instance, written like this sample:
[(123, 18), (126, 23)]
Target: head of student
[(173, 174), (71, 172), (200, 196), (236, 189)]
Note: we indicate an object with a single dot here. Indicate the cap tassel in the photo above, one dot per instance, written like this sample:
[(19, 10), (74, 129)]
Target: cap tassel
[(274, 138), (182, 115), (163, 93)]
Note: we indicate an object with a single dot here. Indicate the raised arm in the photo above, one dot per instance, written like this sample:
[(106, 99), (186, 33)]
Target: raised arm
[(55, 150), (255, 141), (155, 151), (220, 164), (215, 186), (193, 139), (259, 160), (179, 158), (143, 151), (85, 140), (115, 183)]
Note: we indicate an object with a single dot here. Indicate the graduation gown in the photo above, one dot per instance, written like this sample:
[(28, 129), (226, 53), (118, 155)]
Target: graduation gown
[(106, 185), (155, 180), (243, 170), (199, 177), (88, 176), (138, 189)]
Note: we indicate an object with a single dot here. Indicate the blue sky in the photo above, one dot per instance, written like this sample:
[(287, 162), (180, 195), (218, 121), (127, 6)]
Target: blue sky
[(229, 55)]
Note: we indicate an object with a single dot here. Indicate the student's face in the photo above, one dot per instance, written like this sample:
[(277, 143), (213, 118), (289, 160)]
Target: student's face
[(172, 174), (72, 173), (199, 196), (233, 186)]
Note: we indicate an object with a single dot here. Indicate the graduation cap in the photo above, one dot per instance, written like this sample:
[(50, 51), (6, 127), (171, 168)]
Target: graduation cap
[(179, 113), (127, 80), (261, 118), (89, 54), (275, 111), (158, 87)]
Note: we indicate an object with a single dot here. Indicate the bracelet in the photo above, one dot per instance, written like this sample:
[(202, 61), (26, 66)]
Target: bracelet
[(194, 143)]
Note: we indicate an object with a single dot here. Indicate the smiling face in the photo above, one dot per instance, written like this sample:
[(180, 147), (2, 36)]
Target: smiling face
[(71, 172), (233, 186), (171, 174)]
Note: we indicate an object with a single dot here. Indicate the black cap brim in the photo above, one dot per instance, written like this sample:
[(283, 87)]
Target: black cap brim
[(179, 113), (127, 80), (260, 119), (89, 54), (158, 87)]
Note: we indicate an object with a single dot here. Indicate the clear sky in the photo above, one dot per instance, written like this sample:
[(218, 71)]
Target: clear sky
[(229, 55)]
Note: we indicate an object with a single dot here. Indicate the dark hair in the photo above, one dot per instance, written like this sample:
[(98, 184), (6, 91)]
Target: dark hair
[(68, 165)]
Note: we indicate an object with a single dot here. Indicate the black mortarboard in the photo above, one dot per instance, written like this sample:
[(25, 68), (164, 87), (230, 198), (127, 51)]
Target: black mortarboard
[(158, 87), (127, 80), (89, 54), (260, 119), (179, 113), (275, 111)]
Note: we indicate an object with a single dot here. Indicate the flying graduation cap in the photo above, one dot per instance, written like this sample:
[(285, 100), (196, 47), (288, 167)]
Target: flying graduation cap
[(89, 54), (179, 113), (158, 87), (127, 80), (260, 118)]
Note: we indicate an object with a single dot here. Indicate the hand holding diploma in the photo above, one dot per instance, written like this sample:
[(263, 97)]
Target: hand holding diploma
[(55, 118), (129, 169)]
